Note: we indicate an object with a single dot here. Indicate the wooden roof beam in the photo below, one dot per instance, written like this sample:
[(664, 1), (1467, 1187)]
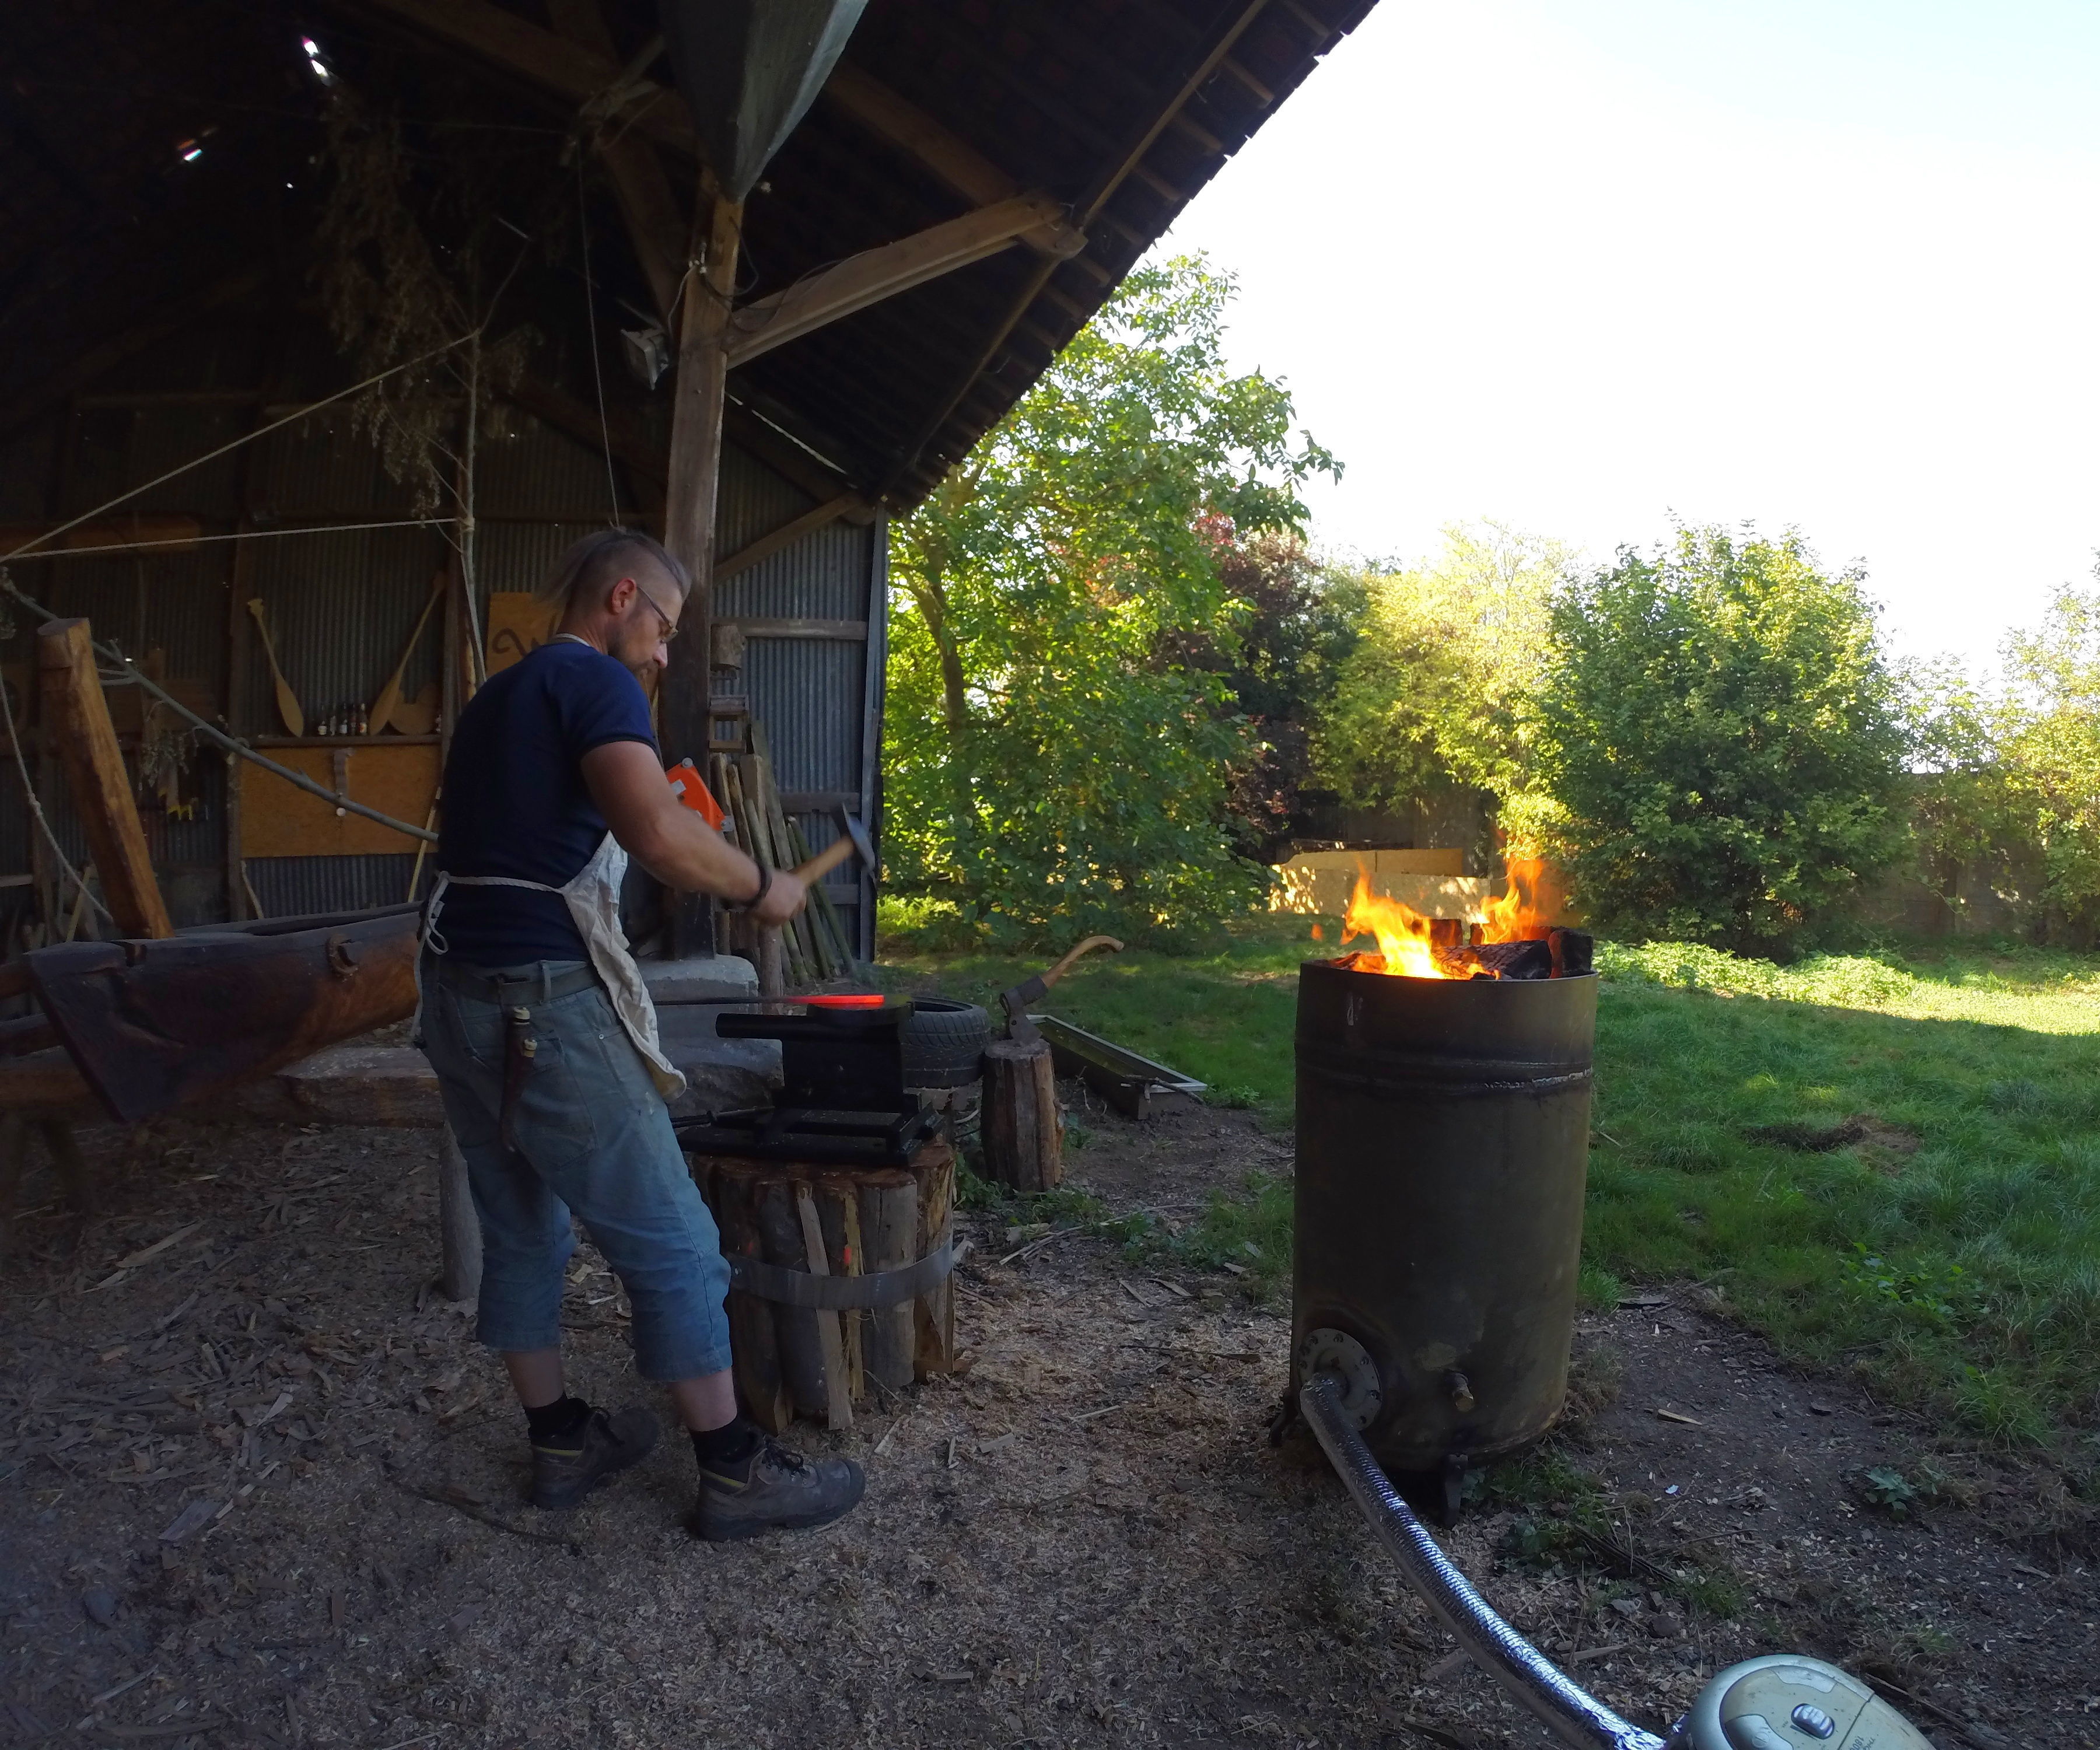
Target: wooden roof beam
[(876, 274), (551, 62), (951, 160), (655, 227)]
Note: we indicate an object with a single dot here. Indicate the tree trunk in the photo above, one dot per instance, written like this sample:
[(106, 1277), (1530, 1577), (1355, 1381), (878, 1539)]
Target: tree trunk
[(1024, 1134)]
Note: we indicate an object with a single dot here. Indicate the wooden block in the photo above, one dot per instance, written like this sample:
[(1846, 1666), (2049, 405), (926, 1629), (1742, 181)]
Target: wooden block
[(838, 1404), (889, 1234), (1023, 1131), (933, 1313), (760, 1383)]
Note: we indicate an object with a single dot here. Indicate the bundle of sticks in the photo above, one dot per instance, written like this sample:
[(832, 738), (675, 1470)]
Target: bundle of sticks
[(814, 945)]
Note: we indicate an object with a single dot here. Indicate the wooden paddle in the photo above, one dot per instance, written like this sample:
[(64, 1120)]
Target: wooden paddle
[(388, 701), (288, 702)]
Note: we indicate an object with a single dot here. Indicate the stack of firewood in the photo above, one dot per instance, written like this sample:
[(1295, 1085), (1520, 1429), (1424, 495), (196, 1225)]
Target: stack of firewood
[(837, 1222), (814, 947)]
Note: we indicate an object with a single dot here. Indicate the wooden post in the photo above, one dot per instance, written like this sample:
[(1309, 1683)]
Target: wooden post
[(77, 717), (1024, 1136), (689, 505), (457, 1223)]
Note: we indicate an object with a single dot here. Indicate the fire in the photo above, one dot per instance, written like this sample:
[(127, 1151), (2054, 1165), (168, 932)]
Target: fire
[(1403, 933), (1534, 900), (1407, 940)]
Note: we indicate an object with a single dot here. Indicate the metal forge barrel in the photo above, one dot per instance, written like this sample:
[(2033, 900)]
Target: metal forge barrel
[(1442, 1141)]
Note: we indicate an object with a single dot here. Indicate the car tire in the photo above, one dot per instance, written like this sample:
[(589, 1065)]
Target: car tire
[(944, 1043)]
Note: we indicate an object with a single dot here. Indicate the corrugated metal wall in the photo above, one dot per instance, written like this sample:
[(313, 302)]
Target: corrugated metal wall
[(819, 697), (340, 604)]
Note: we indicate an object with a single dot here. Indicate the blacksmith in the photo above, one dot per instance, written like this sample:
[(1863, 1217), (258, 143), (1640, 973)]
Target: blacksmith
[(544, 1042)]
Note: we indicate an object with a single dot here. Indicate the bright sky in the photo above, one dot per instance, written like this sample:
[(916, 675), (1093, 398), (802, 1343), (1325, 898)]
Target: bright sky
[(1581, 264)]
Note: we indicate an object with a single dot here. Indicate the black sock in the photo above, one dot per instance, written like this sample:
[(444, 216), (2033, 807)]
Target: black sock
[(557, 1420), (730, 1444)]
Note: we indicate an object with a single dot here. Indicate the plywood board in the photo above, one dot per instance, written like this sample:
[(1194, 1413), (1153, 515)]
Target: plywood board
[(518, 625), (277, 819)]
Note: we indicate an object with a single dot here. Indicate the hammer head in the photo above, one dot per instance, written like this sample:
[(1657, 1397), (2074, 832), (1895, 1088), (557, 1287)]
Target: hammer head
[(863, 846)]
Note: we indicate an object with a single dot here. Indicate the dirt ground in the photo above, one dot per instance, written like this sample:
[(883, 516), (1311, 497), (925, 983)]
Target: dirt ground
[(258, 1487)]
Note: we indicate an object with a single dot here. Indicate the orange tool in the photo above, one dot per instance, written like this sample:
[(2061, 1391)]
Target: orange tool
[(687, 784)]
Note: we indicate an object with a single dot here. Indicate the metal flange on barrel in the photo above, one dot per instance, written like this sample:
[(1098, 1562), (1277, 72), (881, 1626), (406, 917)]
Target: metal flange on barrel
[(1328, 1351)]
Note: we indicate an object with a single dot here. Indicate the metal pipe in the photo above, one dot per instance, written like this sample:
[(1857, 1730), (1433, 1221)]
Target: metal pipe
[(1570, 1712)]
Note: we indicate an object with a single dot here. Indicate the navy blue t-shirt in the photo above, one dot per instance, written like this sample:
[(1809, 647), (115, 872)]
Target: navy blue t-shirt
[(516, 804)]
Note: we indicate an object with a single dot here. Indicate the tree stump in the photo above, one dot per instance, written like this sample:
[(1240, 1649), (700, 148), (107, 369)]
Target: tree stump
[(1022, 1130), (829, 1220)]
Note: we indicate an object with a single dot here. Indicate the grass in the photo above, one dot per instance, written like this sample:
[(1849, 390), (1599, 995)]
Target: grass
[(1887, 1164)]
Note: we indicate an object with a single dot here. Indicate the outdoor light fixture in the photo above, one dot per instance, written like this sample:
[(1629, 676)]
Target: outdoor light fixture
[(321, 68), (648, 353)]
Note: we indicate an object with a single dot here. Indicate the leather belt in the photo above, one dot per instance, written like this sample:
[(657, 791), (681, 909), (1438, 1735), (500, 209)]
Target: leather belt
[(512, 990)]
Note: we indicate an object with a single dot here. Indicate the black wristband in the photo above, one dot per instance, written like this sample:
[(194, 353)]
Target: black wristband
[(765, 887)]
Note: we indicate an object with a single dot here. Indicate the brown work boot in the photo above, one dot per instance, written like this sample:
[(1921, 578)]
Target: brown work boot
[(568, 1467), (773, 1487)]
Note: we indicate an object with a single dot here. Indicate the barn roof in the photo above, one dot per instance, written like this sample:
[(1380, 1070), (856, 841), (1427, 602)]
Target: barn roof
[(164, 157)]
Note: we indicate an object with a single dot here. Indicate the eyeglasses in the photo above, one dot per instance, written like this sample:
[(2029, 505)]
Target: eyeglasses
[(670, 625)]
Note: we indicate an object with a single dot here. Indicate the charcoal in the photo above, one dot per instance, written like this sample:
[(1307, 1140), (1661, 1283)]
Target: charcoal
[(1525, 960), (1574, 953)]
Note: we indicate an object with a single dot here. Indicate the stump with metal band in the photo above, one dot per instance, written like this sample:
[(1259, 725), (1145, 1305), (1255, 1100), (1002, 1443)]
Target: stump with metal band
[(839, 1283)]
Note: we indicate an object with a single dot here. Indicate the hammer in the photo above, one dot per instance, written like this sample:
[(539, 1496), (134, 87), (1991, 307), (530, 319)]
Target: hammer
[(853, 841), (1015, 1001)]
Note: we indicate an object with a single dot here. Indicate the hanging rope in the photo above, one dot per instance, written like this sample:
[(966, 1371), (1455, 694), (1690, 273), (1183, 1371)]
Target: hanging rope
[(197, 462), (232, 743), (186, 541)]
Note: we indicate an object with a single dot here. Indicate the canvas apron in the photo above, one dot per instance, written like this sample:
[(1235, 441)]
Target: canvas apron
[(592, 897)]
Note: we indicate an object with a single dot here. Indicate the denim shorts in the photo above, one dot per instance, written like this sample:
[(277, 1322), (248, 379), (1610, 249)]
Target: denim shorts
[(594, 1139)]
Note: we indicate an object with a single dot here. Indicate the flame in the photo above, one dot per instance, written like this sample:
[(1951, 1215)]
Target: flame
[(1402, 932), (1405, 936), (1533, 897)]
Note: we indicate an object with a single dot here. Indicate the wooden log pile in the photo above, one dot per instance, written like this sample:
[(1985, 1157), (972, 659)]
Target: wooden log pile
[(829, 1221)]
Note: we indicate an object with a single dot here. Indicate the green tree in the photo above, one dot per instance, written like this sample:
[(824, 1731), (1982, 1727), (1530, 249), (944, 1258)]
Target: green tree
[(1280, 660), (2049, 744), (1044, 760), (1719, 741), (1436, 690)]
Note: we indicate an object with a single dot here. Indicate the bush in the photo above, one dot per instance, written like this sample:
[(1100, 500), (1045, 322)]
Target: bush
[(1719, 742)]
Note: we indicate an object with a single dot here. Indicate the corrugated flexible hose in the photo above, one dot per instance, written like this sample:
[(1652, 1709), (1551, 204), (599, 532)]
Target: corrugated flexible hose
[(1570, 1712)]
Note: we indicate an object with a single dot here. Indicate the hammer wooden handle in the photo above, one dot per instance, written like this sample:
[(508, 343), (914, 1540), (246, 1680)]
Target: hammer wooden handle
[(826, 859)]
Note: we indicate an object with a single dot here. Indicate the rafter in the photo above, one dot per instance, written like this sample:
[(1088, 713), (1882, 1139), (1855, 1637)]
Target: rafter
[(654, 225), (876, 274), (551, 62)]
